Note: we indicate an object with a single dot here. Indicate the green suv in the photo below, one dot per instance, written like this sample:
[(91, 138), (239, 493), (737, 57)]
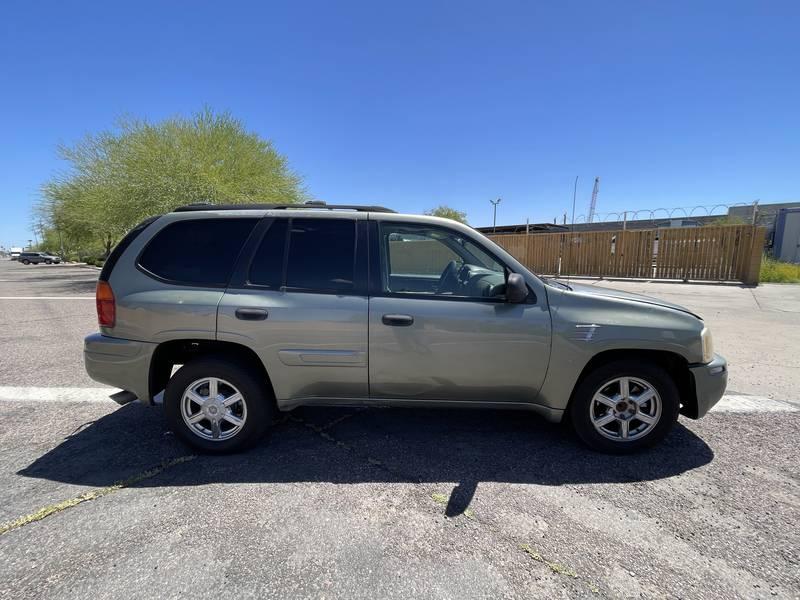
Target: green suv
[(238, 312)]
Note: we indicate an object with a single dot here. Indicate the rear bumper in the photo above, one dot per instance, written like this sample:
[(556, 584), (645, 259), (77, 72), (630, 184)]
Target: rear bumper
[(710, 381), (121, 363)]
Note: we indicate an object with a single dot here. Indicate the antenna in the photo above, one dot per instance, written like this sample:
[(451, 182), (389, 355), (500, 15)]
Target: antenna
[(572, 224)]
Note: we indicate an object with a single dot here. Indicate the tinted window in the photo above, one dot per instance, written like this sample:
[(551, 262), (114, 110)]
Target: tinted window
[(267, 266), (321, 255), (112, 259), (200, 252)]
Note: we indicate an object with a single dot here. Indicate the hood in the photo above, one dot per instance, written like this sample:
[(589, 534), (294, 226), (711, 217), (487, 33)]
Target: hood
[(600, 291)]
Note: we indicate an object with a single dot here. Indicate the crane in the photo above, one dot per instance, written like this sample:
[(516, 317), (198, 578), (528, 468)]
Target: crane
[(593, 204)]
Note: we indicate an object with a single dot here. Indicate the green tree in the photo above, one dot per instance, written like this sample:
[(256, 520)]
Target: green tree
[(118, 178), (447, 212)]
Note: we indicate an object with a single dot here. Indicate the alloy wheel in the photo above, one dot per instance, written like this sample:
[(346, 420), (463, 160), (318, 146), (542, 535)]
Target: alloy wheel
[(625, 409), (213, 409)]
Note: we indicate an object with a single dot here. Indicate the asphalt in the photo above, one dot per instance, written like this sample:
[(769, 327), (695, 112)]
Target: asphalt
[(102, 501)]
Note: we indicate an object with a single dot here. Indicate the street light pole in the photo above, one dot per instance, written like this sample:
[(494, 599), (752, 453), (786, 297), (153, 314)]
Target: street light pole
[(494, 215)]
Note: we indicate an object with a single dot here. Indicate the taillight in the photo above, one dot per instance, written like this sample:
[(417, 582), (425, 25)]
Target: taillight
[(106, 306)]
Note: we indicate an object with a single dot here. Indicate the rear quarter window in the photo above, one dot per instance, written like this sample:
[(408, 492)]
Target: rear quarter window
[(199, 252), (120, 248)]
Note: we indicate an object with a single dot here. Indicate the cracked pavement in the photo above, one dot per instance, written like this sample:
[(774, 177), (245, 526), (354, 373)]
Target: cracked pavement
[(380, 503)]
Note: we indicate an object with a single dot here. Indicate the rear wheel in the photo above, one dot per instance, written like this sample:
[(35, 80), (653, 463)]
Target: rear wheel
[(216, 406), (26, 262), (624, 406)]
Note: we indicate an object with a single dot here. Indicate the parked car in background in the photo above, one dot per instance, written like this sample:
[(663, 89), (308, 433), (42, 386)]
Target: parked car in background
[(285, 306), (35, 258), (15, 252)]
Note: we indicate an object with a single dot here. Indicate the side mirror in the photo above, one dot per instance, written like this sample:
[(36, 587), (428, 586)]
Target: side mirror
[(516, 288)]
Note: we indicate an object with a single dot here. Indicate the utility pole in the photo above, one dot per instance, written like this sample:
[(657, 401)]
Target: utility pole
[(494, 215)]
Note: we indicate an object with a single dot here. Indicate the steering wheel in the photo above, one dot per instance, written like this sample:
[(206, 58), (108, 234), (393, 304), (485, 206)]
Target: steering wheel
[(448, 279)]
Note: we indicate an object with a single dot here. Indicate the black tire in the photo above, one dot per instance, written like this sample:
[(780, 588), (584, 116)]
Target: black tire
[(581, 405), (26, 262), (258, 399)]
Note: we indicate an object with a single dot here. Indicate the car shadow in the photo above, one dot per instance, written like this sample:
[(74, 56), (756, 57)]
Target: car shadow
[(364, 446)]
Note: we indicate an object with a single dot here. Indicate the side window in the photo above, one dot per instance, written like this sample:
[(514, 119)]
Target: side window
[(198, 251), (436, 261), (322, 255), (418, 254), (266, 269)]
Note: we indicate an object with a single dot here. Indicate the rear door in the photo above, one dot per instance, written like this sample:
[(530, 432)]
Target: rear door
[(298, 299)]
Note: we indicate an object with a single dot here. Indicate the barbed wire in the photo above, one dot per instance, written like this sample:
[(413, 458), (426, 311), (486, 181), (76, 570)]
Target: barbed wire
[(669, 213)]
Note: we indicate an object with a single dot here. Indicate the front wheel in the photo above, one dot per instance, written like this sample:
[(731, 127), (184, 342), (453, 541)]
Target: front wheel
[(625, 406), (216, 406)]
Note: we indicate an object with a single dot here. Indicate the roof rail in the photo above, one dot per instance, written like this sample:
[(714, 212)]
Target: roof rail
[(312, 205)]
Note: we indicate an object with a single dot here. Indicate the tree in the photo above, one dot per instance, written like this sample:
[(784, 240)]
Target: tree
[(120, 177), (446, 212)]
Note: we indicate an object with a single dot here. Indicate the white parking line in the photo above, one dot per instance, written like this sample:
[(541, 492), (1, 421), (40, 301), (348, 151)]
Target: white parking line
[(740, 403), (730, 403), (56, 394)]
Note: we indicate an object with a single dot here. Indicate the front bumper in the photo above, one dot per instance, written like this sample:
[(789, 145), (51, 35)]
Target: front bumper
[(121, 363), (710, 381)]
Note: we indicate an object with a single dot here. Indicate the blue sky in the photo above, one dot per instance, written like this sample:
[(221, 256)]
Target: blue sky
[(411, 105)]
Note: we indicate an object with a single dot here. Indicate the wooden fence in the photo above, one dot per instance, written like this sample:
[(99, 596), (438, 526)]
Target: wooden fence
[(713, 253)]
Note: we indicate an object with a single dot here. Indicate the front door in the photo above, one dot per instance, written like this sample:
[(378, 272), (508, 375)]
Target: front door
[(439, 326)]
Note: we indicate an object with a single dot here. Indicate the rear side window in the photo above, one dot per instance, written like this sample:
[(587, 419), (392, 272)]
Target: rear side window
[(197, 252), (322, 255), (266, 269)]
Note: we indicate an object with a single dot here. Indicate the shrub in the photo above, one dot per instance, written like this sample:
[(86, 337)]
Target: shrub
[(775, 271)]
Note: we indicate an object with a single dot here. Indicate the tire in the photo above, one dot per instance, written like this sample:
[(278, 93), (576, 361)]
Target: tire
[(257, 414), (624, 433), (26, 262)]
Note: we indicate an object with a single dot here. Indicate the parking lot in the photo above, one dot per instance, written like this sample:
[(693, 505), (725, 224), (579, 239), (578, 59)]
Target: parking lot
[(102, 501)]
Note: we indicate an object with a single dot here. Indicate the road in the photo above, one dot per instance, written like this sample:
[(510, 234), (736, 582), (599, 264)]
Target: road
[(101, 501)]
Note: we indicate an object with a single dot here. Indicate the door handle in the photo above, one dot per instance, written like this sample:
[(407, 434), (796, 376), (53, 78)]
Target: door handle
[(251, 314), (397, 320)]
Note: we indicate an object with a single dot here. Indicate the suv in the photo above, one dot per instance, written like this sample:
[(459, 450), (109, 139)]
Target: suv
[(28, 258), (236, 313)]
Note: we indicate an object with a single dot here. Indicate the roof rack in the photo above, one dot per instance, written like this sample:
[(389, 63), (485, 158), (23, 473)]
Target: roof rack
[(315, 205)]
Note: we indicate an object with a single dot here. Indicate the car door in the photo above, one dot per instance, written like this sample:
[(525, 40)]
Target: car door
[(440, 328), (298, 298)]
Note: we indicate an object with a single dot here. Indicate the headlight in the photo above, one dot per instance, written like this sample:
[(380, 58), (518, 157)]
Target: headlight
[(708, 345)]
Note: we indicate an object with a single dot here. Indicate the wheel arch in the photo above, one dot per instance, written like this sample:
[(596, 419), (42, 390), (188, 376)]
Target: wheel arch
[(180, 352), (675, 364)]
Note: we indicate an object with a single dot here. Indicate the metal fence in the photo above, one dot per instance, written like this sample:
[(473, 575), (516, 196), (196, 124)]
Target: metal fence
[(712, 253)]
